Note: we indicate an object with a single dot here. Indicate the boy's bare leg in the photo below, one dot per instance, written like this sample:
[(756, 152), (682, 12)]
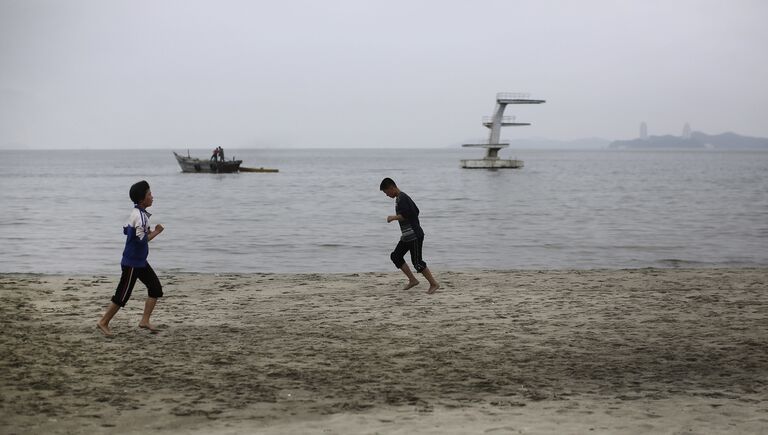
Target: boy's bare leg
[(433, 285), (149, 306), (103, 324), (412, 281)]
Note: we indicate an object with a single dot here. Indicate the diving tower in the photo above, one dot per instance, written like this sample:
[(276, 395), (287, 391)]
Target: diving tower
[(494, 123)]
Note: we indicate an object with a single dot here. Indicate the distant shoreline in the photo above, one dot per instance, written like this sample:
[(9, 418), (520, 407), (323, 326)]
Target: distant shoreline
[(513, 147), (696, 141)]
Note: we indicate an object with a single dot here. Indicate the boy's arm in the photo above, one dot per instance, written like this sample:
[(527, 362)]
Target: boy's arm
[(405, 209), (158, 229)]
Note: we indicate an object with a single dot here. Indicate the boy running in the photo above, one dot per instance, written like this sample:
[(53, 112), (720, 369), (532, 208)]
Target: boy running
[(412, 238), (134, 262)]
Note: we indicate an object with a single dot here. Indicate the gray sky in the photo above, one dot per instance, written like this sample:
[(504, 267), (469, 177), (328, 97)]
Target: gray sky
[(187, 74)]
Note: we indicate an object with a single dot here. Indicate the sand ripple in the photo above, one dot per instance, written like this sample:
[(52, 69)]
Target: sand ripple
[(266, 350)]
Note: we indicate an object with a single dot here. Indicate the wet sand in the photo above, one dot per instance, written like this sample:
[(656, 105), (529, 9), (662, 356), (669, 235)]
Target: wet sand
[(623, 351)]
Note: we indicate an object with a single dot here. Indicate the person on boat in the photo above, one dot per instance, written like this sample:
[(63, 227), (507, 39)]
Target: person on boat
[(412, 236), (134, 262), (215, 156), (221, 153)]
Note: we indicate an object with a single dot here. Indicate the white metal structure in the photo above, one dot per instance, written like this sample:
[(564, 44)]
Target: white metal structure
[(495, 122)]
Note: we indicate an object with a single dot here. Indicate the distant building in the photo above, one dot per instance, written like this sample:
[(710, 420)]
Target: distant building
[(643, 131), (687, 131)]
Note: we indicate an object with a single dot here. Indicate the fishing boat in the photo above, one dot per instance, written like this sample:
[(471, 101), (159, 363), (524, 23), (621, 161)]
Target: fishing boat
[(193, 164)]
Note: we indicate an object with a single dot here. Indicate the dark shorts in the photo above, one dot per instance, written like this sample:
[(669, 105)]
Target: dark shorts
[(398, 255), (128, 280)]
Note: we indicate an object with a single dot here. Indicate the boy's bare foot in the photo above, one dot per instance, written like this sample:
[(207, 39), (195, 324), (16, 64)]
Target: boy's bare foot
[(433, 288), (150, 327), (104, 329), (411, 284)]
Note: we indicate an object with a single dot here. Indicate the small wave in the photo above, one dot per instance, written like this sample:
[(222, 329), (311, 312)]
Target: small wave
[(339, 245), (676, 262)]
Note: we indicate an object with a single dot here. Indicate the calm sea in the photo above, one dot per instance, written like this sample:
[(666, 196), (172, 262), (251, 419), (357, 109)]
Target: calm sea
[(63, 211)]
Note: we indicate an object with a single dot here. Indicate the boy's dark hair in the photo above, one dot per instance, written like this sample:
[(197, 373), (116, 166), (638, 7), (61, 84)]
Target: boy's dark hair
[(387, 183), (138, 191)]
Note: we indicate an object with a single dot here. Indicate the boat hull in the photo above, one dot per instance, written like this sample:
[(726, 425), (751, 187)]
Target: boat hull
[(191, 164)]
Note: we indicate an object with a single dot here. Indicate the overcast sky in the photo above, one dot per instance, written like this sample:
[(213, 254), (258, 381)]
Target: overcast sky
[(188, 74)]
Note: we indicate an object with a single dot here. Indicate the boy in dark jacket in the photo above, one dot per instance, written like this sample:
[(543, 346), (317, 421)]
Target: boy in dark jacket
[(412, 236)]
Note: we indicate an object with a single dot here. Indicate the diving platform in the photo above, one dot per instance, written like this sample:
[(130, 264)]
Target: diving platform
[(516, 98), (506, 121), (494, 123)]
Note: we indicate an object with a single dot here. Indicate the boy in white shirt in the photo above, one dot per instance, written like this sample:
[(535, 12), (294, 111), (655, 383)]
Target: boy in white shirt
[(134, 262)]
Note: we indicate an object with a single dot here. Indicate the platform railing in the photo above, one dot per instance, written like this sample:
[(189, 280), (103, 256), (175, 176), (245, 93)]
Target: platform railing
[(504, 119), (512, 96), (486, 145)]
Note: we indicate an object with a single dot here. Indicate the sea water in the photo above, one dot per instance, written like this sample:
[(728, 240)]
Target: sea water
[(63, 211)]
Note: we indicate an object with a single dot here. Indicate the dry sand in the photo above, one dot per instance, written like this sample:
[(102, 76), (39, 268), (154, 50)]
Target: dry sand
[(628, 351)]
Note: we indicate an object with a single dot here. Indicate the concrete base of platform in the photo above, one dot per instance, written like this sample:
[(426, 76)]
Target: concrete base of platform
[(491, 164)]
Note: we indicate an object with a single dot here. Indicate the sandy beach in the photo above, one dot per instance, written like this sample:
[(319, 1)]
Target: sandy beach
[(535, 352)]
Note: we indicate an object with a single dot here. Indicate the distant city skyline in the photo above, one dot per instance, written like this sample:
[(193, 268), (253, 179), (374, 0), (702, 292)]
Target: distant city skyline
[(686, 131), (301, 74)]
